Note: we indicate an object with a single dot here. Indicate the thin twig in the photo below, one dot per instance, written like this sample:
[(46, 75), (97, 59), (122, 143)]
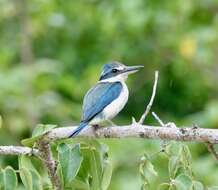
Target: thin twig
[(164, 143), (147, 110), (212, 150), (158, 119)]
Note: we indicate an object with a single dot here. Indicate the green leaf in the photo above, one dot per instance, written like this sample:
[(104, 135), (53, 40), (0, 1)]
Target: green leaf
[(95, 163), (94, 153), (70, 160), (78, 184), (185, 158), (147, 171), (163, 186), (185, 155), (147, 167), (8, 179), (182, 182), (95, 168), (173, 166), (26, 178), (48, 188), (196, 185), (29, 141), (107, 173), (173, 148), (28, 174), (38, 132), (179, 185), (25, 162), (30, 179), (36, 180)]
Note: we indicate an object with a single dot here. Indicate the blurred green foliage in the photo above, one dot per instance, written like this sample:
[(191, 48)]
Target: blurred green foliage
[(52, 54)]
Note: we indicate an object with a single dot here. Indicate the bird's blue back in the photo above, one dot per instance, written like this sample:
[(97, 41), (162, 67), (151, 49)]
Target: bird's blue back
[(98, 97)]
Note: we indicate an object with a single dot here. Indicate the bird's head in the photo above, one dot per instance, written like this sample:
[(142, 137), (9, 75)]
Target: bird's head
[(116, 71)]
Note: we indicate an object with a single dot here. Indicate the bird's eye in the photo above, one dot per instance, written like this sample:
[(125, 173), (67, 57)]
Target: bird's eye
[(114, 70)]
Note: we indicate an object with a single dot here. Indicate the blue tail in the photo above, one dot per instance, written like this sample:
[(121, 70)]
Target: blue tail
[(78, 129)]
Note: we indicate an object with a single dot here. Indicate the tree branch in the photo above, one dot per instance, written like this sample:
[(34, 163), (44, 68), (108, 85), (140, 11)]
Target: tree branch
[(17, 150), (169, 132), (191, 134), (46, 156)]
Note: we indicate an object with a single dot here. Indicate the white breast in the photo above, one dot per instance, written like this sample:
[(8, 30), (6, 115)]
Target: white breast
[(117, 105)]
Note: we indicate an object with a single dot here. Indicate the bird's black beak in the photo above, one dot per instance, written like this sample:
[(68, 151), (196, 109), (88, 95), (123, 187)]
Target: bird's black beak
[(132, 69)]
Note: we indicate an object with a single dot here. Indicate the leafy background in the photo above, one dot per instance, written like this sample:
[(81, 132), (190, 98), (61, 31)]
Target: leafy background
[(52, 51)]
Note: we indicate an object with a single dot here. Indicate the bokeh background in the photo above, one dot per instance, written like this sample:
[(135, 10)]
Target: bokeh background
[(52, 51)]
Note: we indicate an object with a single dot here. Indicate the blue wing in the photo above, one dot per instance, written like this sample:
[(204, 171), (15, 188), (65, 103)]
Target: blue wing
[(98, 97)]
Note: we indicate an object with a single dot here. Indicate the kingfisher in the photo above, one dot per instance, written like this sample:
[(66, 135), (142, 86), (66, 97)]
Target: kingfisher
[(108, 97)]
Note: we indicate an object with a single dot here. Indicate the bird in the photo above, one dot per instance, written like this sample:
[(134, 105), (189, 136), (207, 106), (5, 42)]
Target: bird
[(108, 97)]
